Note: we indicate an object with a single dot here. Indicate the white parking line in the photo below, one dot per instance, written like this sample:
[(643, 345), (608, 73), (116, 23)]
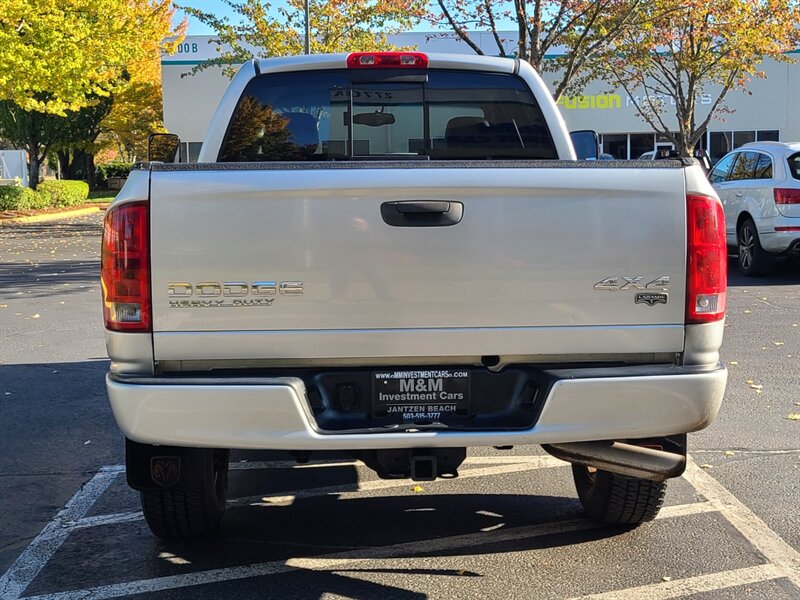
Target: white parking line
[(347, 490), (783, 561), (28, 565), (337, 560), (41, 549), (350, 490), (693, 585), (769, 543)]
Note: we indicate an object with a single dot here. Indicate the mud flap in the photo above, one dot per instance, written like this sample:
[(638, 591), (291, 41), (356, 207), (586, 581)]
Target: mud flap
[(173, 468)]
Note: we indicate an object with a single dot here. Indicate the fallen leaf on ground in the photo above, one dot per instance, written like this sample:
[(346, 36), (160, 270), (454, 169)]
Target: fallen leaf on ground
[(733, 362), (749, 381), (730, 453), (666, 578), (756, 386), (36, 316), (747, 312), (777, 343), (3, 305), (706, 466), (417, 489), (794, 417)]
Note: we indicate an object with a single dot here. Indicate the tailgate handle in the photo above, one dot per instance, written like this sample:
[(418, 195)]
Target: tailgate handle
[(422, 213)]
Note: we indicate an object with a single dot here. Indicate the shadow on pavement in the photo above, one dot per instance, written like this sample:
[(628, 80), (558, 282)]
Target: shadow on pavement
[(786, 271), (52, 278)]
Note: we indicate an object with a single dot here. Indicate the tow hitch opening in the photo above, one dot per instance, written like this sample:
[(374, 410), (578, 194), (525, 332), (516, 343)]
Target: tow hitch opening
[(418, 464)]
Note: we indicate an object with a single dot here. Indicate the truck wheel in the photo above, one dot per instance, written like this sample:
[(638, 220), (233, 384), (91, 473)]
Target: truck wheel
[(753, 259), (190, 514), (611, 498)]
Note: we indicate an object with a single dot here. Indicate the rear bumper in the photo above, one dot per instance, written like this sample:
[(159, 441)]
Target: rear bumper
[(777, 241), (273, 413)]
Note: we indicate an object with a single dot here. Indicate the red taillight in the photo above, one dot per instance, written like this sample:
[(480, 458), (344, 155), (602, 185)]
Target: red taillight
[(707, 264), (387, 60), (125, 268), (786, 196)]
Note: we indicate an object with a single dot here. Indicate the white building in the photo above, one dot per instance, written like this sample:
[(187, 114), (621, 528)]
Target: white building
[(768, 110)]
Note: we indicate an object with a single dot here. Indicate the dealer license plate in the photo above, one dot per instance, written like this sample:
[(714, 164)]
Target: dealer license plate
[(411, 396)]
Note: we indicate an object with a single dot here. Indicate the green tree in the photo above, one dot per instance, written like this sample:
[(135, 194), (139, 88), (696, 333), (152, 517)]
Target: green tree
[(63, 61), (32, 131), (694, 49), (564, 40), (336, 26), (77, 140)]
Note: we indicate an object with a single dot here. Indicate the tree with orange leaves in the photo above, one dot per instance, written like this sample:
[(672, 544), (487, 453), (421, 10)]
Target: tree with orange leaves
[(694, 49)]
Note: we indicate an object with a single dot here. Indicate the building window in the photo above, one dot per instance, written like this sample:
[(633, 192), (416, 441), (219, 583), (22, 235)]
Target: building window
[(768, 135), (616, 144), (721, 144), (740, 138), (641, 143)]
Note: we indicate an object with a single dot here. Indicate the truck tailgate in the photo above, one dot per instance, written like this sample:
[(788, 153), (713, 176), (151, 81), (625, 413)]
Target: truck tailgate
[(298, 261)]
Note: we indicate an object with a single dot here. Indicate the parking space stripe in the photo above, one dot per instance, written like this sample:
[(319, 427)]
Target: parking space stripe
[(349, 557), (470, 460), (529, 464), (110, 519), (693, 585), (44, 546), (347, 490), (756, 531)]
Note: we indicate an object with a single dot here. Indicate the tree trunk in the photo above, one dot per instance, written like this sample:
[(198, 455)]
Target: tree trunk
[(64, 164), (33, 170), (90, 170)]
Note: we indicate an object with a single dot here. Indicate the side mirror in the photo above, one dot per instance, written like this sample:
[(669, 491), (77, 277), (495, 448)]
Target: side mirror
[(586, 144), (162, 147)]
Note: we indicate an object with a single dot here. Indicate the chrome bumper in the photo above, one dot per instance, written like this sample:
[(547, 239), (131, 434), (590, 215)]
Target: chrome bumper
[(272, 413)]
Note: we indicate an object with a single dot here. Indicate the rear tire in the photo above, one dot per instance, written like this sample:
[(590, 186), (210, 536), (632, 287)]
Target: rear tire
[(753, 259), (615, 499), (190, 514)]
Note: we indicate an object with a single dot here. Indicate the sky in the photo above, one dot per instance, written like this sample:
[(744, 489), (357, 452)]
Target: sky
[(221, 9), (216, 7)]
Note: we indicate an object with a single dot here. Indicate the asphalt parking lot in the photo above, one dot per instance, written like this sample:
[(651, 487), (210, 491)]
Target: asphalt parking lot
[(509, 527)]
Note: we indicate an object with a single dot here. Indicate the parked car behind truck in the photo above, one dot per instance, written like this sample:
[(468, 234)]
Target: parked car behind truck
[(759, 185), (396, 255)]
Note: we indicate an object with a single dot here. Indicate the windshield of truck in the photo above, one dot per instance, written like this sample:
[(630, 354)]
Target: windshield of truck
[(431, 115)]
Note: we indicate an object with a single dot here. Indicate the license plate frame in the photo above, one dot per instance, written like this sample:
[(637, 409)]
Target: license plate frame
[(420, 395)]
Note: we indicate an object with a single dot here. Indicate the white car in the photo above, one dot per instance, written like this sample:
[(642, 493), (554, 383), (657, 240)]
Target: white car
[(759, 185)]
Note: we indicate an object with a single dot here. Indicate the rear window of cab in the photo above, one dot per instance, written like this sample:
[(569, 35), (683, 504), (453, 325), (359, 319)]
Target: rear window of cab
[(424, 114)]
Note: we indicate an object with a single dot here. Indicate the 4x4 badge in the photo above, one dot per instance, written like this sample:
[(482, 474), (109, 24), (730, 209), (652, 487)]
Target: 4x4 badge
[(651, 298)]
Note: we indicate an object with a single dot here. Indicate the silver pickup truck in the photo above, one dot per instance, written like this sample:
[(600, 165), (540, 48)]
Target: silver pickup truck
[(396, 255)]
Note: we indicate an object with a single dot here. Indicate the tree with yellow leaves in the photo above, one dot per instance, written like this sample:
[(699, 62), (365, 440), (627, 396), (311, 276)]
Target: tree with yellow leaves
[(58, 57)]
